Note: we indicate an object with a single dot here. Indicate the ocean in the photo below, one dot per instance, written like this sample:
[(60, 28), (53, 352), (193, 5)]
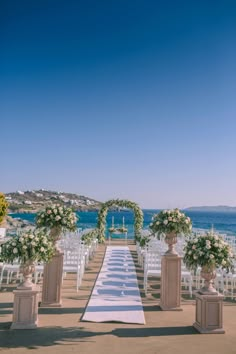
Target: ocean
[(222, 222)]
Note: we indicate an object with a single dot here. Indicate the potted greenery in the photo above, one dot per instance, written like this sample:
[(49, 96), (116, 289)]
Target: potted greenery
[(3, 208)]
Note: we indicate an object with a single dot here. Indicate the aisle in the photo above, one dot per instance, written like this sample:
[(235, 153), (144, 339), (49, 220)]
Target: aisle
[(116, 295)]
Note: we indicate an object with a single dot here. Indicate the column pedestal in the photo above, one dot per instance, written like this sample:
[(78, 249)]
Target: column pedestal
[(209, 313), (52, 282), (170, 283), (25, 310)]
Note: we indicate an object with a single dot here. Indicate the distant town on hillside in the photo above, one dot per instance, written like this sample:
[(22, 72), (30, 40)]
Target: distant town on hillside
[(33, 200)]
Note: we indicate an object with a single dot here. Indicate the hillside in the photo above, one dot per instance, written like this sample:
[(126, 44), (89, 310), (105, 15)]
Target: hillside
[(32, 201)]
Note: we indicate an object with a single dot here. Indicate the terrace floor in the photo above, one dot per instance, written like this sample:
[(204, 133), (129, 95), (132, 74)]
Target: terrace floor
[(60, 330)]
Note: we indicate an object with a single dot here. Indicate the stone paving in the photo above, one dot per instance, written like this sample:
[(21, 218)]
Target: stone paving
[(61, 331)]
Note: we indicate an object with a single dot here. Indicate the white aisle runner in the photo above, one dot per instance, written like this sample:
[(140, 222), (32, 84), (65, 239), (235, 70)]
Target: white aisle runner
[(116, 295)]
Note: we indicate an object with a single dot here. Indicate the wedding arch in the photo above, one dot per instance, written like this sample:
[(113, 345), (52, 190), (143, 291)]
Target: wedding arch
[(122, 203)]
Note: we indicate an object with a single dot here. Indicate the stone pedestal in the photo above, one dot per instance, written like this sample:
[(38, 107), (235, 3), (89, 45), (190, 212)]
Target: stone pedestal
[(209, 313), (170, 283), (25, 310), (52, 282)]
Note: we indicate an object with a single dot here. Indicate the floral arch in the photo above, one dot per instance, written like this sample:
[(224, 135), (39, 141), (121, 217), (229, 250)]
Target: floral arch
[(138, 216)]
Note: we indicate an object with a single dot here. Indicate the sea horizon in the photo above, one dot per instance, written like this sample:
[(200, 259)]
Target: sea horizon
[(221, 221)]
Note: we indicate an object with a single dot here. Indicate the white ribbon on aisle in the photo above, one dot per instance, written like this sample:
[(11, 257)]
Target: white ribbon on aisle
[(116, 295)]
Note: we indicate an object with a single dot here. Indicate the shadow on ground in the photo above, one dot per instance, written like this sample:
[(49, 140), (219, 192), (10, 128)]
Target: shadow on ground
[(47, 336)]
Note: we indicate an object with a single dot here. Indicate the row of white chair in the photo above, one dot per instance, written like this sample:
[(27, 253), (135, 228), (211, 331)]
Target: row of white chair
[(76, 259), (149, 259)]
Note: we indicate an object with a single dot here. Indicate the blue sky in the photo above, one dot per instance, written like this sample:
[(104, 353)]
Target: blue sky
[(120, 99)]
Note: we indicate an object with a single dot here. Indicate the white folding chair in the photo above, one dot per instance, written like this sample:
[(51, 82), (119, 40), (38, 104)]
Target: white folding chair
[(152, 267)]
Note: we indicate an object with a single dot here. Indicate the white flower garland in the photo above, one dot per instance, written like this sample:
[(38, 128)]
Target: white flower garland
[(138, 216)]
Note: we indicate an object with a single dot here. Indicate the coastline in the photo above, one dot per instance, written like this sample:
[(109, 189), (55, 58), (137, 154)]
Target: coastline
[(222, 222)]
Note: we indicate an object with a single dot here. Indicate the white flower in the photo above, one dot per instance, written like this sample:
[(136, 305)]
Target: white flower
[(21, 239), (212, 256), (31, 236), (193, 247), (24, 247), (158, 223), (33, 243), (189, 252), (13, 244), (194, 257), (15, 250), (57, 218), (42, 249), (165, 222)]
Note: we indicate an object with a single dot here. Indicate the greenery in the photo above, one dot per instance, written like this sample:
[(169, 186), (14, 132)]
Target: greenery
[(57, 216), (208, 250), (171, 221), (3, 207), (118, 229), (31, 245), (138, 216), (90, 236), (144, 238)]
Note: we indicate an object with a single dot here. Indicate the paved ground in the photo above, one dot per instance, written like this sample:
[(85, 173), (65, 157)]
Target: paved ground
[(61, 331)]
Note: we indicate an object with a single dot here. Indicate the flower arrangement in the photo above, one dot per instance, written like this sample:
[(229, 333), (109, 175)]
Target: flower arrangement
[(144, 238), (31, 245), (3, 207), (208, 250), (138, 216), (121, 229), (171, 221), (57, 216), (89, 236)]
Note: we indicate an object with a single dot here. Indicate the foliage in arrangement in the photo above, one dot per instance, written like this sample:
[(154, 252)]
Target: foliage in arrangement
[(31, 245), (118, 229), (57, 216), (3, 207), (169, 221), (90, 236), (144, 238), (138, 216), (208, 250)]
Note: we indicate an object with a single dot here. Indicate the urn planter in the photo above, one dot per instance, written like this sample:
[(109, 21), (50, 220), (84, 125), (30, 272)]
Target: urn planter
[(209, 305)]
